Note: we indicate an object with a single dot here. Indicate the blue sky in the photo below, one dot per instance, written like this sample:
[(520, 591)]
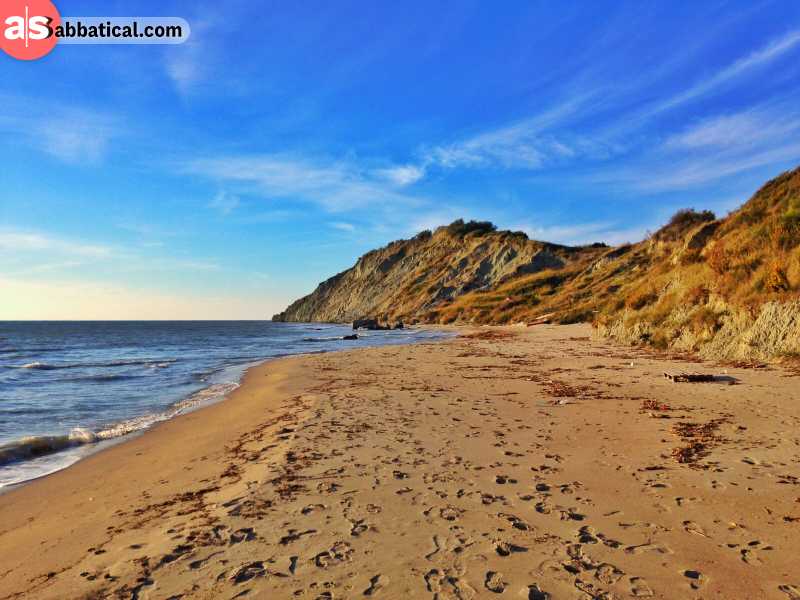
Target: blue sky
[(227, 176)]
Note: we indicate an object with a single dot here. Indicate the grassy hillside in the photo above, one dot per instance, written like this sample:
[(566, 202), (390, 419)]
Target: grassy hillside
[(407, 279), (726, 287)]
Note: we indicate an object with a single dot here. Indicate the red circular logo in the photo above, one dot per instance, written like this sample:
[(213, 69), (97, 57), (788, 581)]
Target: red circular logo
[(27, 28)]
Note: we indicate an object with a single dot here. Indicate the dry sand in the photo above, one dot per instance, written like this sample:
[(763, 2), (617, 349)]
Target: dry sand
[(521, 463)]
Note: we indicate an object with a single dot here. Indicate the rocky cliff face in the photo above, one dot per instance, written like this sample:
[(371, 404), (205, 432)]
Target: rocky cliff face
[(408, 278), (727, 288)]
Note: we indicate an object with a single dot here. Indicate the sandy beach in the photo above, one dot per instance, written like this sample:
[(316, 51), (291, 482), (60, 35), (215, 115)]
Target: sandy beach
[(510, 462)]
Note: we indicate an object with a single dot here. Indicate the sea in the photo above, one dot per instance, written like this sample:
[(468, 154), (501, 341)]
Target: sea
[(70, 388)]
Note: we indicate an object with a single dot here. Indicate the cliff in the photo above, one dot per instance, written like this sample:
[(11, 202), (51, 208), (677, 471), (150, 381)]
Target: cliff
[(727, 288), (407, 279)]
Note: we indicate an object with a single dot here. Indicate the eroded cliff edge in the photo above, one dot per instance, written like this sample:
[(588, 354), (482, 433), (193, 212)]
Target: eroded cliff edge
[(727, 288)]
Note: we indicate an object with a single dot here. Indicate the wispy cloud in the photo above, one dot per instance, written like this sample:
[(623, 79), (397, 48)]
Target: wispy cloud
[(584, 233), (335, 185), (26, 241), (342, 226), (442, 215), (73, 135), (402, 175), (188, 65), (685, 174), (774, 124), (532, 143), (224, 202), (185, 69), (771, 51), (715, 148), (165, 263), (76, 136)]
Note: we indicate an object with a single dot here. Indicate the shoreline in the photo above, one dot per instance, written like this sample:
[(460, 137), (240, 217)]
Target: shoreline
[(531, 461), (88, 442)]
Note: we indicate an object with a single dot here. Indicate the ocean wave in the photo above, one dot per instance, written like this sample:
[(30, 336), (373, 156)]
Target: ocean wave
[(324, 339), (155, 363), (34, 349), (36, 446), (102, 378), (31, 447)]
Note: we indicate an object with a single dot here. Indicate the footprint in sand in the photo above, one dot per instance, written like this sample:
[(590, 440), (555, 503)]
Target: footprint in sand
[(793, 592), (248, 571), (246, 534), (696, 578), (358, 527), (692, 527), (293, 535), (515, 521), (198, 564), (608, 574), (640, 589), (312, 508), (449, 586), (592, 590), (642, 548), (751, 552), (504, 479), (376, 584), (494, 582), (534, 592), (505, 549), (450, 513), (340, 552)]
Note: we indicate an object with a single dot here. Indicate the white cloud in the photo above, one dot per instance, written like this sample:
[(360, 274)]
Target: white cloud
[(527, 144), (167, 263), (771, 51), (336, 186), (433, 219), (403, 175), (74, 135), (744, 129), (687, 174), (23, 241), (341, 226), (224, 202), (184, 70), (584, 233)]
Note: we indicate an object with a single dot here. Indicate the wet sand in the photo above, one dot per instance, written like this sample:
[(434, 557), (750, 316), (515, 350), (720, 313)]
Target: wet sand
[(516, 463)]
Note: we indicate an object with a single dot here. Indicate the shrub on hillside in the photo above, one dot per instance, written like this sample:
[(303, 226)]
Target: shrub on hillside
[(697, 295), (787, 229), (690, 256), (460, 228), (719, 259), (687, 217), (641, 298), (681, 222), (706, 320), (776, 280)]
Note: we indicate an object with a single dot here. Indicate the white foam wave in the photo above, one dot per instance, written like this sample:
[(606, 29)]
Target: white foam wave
[(160, 363), (33, 447)]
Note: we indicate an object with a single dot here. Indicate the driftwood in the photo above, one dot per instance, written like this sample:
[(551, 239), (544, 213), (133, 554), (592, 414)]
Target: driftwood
[(689, 377)]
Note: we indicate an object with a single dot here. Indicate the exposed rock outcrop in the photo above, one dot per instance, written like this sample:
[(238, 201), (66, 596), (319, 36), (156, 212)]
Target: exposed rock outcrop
[(407, 278), (726, 288)]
